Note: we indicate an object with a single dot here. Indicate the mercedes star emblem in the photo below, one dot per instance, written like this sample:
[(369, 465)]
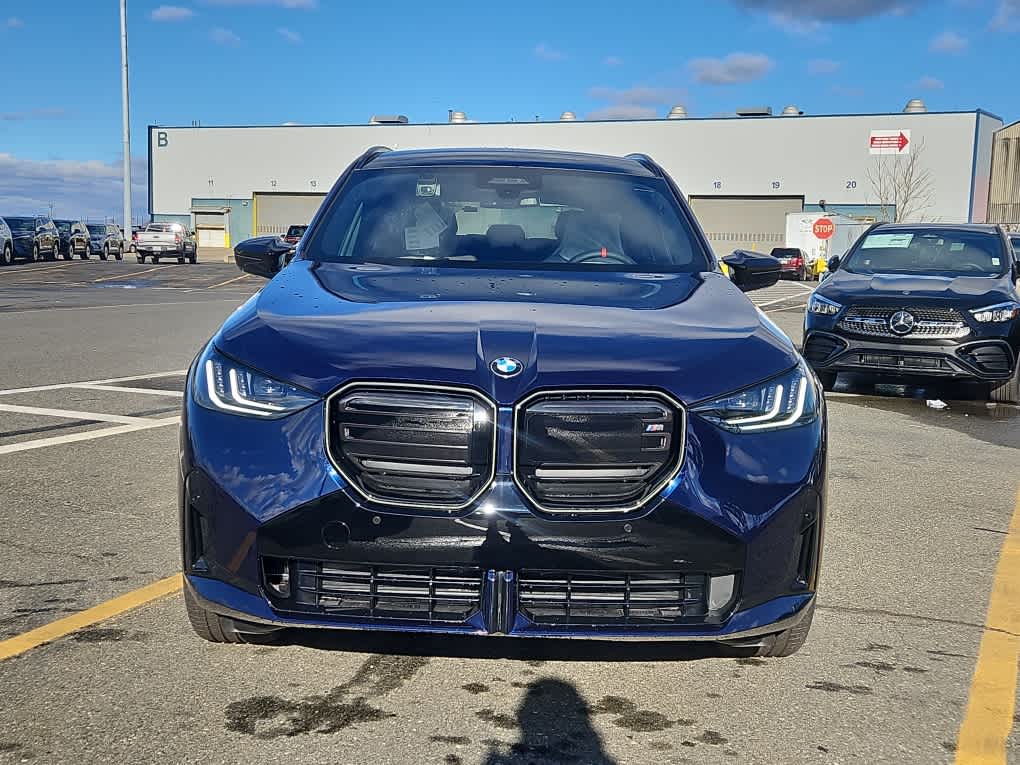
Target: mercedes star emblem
[(901, 323)]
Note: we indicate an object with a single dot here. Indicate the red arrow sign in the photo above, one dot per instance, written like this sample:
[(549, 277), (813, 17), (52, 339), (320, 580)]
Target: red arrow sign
[(898, 142)]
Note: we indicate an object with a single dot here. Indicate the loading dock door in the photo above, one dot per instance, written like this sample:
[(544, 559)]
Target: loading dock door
[(744, 223), (211, 237), (274, 213)]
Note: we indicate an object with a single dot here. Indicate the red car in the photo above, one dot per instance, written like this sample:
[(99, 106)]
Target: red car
[(294, 234), (793, 262)]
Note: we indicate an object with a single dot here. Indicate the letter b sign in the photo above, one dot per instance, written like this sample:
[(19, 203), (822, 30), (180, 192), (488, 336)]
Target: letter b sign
[(161, 139)]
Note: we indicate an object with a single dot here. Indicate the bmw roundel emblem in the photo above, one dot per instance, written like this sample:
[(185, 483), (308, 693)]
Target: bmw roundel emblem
[(505, 366)]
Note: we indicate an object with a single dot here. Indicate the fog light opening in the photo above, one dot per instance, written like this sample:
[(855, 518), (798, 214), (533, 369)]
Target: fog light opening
[(277, 576), (720, 591)]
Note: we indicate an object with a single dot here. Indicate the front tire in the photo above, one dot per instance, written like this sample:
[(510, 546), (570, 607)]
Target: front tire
[(7, 257), (67, 255), (119, 254), (1007, 392), (788, 642), (221, 629), (36, 257), (140, 258), (104, 254), (155, 260)]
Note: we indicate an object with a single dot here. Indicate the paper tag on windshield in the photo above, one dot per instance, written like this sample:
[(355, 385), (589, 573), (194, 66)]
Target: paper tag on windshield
[(418, 238), (874, 241)]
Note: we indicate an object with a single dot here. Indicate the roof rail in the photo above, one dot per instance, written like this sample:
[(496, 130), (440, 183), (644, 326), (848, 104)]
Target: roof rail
[(647, 162), (370, 154)]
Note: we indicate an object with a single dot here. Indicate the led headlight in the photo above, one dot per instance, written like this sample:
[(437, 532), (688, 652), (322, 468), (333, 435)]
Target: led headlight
[(785, 401), (996, 313), (226, 386), (823, 306)]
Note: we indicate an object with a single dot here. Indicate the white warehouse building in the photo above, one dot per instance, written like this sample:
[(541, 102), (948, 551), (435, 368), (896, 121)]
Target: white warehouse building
[(742, 174)]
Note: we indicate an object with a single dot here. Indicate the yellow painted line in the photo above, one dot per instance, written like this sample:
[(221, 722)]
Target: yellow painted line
[(228, 281), (989, 718), (62, 627), (130, 275)]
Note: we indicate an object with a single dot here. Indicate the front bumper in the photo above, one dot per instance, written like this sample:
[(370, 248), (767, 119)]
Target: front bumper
[(989, 359), (259, 497)]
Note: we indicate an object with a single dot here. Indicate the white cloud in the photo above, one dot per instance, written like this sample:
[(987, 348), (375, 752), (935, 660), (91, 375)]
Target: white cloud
[(548, 53), (46, 113), (613, 61), (75, 188), (1007, 17), (948, 42), (623, 112), (823, 66), (171, 13), (225, 37), (294, 38), (930, 83), (798, 26), (14, 23), (732, 69)]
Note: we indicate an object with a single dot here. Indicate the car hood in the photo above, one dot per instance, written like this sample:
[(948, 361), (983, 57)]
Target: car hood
[(962, 292), (320, 325)]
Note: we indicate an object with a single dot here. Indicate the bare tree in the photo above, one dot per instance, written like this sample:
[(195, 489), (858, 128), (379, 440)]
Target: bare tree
[(903, 185)]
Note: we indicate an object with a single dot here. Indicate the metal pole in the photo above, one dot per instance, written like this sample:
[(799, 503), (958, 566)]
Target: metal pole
[(127, 117)]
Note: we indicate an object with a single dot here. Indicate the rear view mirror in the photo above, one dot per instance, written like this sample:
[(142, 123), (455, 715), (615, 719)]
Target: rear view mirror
[(262, 256), (752, 270)]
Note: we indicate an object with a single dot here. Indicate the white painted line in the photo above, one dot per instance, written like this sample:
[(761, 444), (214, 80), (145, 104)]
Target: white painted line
[(129, 275), (804, 286), (786, 299), (36, 269), (228, 281), (73, 414), (121, 305), (58, 386), (125, 389), (88, 435)]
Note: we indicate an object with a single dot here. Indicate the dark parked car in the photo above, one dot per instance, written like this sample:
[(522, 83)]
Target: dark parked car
[(503, 392), (793, 261), (6, 244), (294, 234), (35, 237), (920, 302), (1014, 240), (105, 240), (74, 237)]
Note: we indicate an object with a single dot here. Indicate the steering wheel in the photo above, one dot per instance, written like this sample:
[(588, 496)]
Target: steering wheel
[(609, 258)]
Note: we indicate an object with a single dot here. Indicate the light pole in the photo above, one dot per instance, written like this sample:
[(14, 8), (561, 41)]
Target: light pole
[(127, 116)]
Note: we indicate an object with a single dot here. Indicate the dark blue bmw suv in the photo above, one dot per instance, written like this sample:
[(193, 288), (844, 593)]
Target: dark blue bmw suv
[(503, 392)]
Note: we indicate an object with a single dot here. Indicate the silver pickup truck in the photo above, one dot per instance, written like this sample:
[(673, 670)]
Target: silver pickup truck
[(165, 240)]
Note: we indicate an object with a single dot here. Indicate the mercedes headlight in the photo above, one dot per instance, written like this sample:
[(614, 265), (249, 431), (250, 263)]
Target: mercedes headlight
[(785, 401), (996, 313), (823, 306), (226, 386)]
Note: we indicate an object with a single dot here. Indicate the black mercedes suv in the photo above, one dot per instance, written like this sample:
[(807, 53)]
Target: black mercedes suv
[(921, 301)]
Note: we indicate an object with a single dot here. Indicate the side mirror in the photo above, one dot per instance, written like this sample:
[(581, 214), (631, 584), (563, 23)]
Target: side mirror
[(752, 270), (262, 256), (833, 262)]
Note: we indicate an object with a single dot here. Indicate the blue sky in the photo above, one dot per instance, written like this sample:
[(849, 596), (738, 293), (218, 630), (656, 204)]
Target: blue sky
[(340, 61)]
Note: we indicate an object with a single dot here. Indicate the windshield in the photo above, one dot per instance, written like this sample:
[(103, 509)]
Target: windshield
[(97, 230), (296, 230), (21, 224), (929, 252), (64, 226), (1015, 241), (508, 217), (163, 228)]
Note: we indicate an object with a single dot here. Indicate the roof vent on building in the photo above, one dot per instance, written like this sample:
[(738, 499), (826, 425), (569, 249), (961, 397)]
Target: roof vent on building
[(754, 111), (915, 106), (458, 117), (791, 111), (678, 112), (388, 119), (568, 117)]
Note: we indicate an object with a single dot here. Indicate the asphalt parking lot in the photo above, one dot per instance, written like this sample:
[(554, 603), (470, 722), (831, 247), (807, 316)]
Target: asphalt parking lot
[(905, 663)]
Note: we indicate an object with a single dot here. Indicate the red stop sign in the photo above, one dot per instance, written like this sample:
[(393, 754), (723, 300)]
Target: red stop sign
[(824, 228)]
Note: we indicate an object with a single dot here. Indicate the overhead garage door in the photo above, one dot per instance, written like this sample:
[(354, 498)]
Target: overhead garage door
[(274, 213), (745, 223), (212, 237)]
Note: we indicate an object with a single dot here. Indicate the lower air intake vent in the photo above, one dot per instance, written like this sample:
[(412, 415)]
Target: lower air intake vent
[(819, 348), (413, 447), (583, 597), (417, 593), (994, 358), (595, 451)]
